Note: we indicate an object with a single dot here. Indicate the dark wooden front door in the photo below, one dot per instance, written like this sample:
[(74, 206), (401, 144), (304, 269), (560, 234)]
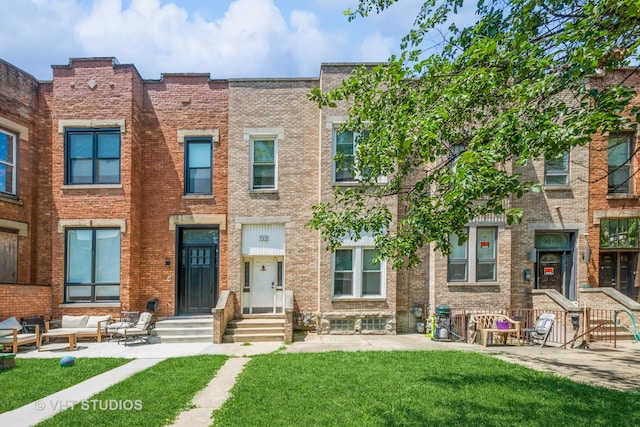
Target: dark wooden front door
[(198, 271), (618, 270), (553, 270)]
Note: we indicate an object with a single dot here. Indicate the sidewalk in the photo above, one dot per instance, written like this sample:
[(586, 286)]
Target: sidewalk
[(613, 368)]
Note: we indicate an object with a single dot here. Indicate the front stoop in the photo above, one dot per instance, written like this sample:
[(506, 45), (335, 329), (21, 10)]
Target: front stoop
[(255, 328), (191, 329)]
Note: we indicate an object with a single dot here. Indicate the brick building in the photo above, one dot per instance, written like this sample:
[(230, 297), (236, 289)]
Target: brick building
[(614, 205), (116, 190)]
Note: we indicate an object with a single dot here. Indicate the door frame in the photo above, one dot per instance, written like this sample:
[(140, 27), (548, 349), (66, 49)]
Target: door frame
[(278, 290), (215, 285)]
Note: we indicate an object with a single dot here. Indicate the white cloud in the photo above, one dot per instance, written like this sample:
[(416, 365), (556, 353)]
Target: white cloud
[(376, 48), (239, 38), (252, 39)]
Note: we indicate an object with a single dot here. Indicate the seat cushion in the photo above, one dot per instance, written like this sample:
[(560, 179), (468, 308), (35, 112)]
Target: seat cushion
[(92, 322), (74, 321), (7, 326), (21, 337), (143, 322), (113, 327)]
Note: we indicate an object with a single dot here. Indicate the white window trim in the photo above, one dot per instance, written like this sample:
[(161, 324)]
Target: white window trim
[(357, 275), (558, 172), (13, 191), (335, 129), (252, 139), (472, 258)]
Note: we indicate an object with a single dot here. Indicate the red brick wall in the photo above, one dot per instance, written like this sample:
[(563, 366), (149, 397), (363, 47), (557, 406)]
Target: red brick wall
[(18, 112), (598, 201), (25, 301), (178, 102)]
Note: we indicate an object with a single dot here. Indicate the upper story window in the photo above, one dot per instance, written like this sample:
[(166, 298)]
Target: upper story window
[(198, 170), (92, 156), (264, 155), (345, 161), (475, 258), (344, 156), (8, 162), (556, 171), (619, 159)]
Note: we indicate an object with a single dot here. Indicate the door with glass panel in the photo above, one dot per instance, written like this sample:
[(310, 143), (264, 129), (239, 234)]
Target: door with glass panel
[(618, 270), (266, 278), (197, 270)]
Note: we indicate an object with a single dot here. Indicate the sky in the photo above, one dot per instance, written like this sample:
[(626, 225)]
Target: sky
[(225, 38)]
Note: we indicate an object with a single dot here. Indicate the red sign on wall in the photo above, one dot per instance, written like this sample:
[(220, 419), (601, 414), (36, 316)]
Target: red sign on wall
[(548, 271)]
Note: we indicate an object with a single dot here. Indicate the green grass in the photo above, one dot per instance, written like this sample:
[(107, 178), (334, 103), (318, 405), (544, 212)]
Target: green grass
[(157, 395), (415, 389), (33, 379)]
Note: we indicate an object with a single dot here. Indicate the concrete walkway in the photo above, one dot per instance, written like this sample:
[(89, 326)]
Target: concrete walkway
[(601, 366), (213, 395)]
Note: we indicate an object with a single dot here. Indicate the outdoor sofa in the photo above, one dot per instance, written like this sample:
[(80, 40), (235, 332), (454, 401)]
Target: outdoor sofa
[(83, 326)]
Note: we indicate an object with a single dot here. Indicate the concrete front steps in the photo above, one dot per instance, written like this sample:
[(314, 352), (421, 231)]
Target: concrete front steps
[(255, 328), (183, 329)]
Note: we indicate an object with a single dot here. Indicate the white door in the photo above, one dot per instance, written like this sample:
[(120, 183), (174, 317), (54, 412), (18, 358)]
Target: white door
[(263, 289)]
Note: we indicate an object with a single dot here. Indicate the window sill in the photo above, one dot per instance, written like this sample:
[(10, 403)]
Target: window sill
[(198, 196), (622, 196), (357, 299), (358, 184), (264, 191), (89, 304), (92, 187), (469, 284), (8, 198), (557, 188)]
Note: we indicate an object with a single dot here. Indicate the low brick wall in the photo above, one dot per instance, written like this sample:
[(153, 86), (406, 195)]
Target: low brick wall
[(25, 300)]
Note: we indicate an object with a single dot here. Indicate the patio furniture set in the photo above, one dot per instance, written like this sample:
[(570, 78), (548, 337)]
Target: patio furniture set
[(131, 325), (503, 326)]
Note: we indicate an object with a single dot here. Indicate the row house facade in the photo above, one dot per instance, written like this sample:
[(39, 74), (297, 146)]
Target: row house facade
[(115, 190)]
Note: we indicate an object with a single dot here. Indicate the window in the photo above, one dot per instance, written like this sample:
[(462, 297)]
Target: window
[(458, 259), (374, 324), (486, 254), (556, 171), (342, 324), (344, 156), (619, 232), (357, 274), (92, 271), (619, 163), (345, 167), (198, 179), (8, 163), (263, 163), (92, 156), (475, 258)]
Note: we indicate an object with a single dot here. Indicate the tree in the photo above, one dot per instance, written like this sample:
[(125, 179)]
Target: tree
[(446, 128)]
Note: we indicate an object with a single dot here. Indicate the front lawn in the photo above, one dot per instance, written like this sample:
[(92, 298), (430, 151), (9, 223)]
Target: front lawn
[(153, 397), (33, 379), (414, 389)]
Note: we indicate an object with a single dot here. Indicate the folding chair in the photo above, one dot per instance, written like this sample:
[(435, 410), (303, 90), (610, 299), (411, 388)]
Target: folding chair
[(540, 332)]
